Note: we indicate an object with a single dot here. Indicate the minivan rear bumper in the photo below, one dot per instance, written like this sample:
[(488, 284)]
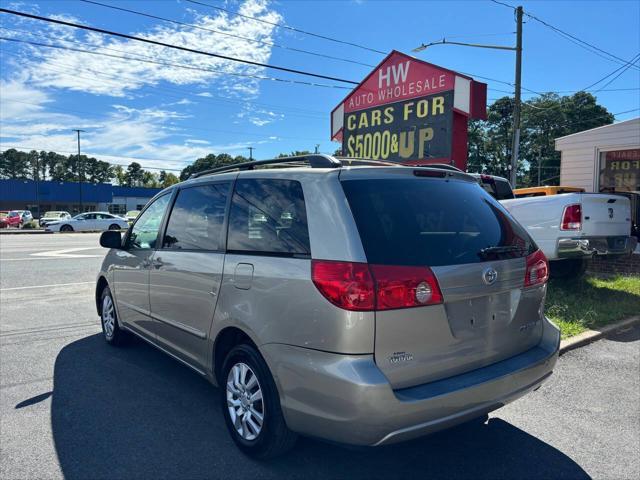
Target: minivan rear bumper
[(347, 399), (588, 246)]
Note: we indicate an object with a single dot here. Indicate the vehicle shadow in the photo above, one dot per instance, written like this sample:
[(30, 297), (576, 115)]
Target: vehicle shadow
[(133, 412)]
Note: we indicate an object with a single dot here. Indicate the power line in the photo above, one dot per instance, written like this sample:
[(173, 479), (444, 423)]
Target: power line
[(170, 64), (131, 37), (253, 40), (622, 70), (287, 27), (210, 97), (504, 4), (175, 47), (183, 93), (584, 44)]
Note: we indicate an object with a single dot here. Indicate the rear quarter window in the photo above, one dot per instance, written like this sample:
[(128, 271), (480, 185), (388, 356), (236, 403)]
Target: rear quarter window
[(431, 222), (268, 216)]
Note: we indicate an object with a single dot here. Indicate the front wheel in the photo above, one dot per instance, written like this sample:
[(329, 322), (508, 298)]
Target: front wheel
[(111, 330), (114, 227), (251, 405), (66, 228)]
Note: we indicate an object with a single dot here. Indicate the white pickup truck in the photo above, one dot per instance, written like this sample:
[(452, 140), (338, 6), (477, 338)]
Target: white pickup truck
[(571, 227)]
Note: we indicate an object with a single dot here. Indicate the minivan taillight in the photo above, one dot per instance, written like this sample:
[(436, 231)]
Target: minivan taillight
[(348, 285), (572, 217), (363, 287), (537, 269), (404, 287)]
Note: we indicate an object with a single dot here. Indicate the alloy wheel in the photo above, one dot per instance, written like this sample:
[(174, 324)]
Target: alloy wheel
[(244, 401), (108, 317)]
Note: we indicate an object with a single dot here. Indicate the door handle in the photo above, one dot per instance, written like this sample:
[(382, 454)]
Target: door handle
[(157, 263)]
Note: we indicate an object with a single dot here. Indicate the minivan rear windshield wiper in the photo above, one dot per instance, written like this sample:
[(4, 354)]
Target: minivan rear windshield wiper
[(497, 250)]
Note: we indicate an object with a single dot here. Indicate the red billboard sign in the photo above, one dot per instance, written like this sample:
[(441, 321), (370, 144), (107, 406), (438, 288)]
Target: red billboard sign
[(409, 111), (399, 79)]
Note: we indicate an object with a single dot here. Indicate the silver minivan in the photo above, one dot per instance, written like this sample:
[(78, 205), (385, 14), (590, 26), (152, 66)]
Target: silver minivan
[(352, 301)]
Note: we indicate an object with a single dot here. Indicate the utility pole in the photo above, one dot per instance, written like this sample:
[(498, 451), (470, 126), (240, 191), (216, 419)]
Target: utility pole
[(80, 170), (251, 153), (539, 165), (317, 147), (515, 148)]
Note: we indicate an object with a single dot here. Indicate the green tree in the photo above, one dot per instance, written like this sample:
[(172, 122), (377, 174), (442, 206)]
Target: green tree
[(296, 153), (95, 171), (119, 175), (57, 166), (544, 118), (149, 179), (208, 162), (134, 175), (14, 164), (168, 179)]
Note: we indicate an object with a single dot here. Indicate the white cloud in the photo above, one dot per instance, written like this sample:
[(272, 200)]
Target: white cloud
[(51, 67), (258, 116), (204, 94), (124, 135), (18, 99)]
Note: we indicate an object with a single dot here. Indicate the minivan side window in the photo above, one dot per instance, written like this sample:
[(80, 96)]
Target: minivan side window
[(197, 218), (145, 231), (268, 216)]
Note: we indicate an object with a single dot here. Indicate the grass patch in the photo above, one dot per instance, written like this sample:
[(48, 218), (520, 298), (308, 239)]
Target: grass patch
[(580, 304)]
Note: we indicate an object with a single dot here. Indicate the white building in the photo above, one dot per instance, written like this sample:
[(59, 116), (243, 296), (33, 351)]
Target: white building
[(602, 159)]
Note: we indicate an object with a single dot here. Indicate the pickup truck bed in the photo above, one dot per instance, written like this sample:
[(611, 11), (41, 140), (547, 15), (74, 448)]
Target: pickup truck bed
[(576, 225)]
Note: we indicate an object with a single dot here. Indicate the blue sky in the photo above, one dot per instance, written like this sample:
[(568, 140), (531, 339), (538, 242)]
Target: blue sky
[(167, 116)]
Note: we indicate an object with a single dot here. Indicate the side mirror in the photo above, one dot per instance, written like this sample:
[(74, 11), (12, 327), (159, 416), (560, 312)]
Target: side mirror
[(111, 239)]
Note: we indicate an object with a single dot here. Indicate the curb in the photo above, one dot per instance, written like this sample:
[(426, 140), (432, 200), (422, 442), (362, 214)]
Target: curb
[(24, 232), (590, 336)]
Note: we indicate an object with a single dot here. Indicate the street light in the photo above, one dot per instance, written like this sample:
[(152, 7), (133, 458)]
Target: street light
[(518, 80)]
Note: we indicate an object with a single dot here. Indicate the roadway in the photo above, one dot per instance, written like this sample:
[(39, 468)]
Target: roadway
[(73, 407)]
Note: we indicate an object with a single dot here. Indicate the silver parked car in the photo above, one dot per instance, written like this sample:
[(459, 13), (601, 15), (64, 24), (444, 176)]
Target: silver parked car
[(357, 302)]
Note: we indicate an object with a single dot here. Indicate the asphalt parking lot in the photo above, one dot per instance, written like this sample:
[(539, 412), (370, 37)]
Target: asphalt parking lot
[(73, 407)]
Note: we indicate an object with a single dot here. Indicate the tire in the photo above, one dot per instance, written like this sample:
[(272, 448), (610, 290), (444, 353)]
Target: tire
[(111, 330), (66, 228), (272, 437), (570, 268), (114, 226)]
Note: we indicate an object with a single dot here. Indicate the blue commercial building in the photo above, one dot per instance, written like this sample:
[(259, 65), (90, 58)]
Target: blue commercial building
[(21, 194)]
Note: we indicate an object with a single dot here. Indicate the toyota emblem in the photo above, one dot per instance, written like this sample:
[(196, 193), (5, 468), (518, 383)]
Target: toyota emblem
[(490, 276)]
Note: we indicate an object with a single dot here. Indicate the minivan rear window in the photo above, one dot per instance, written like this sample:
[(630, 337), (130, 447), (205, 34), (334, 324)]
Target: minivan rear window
[(421, 221)]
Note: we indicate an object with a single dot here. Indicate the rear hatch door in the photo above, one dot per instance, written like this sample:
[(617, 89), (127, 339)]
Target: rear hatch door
[(452, 226)]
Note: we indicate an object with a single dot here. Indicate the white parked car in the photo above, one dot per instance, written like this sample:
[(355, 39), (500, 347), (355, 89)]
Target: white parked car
[(87, 222), (572, 227)]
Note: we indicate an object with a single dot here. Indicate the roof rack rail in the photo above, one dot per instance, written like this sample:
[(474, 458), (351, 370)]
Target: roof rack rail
[(316, 160), (350, 161), (441, 166)]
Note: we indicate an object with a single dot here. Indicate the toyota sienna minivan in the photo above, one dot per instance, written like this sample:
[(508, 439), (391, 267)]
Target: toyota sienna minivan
[(353, 301)]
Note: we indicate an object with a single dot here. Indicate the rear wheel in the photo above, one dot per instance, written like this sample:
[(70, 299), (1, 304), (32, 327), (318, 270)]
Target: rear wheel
[(251, 405), (66, 228), (570, 268), (114, 227)]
